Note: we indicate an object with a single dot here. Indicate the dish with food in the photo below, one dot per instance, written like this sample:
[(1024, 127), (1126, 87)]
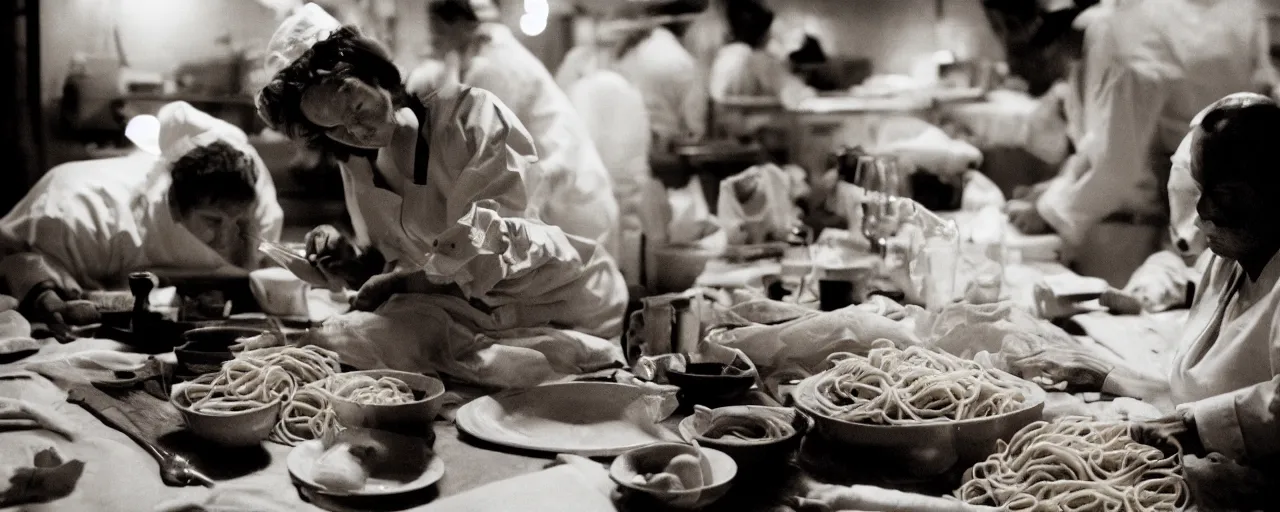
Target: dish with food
[(912, 386), (678, 475), (1076, 464), (740, 424), (368, 390), (365, 462)]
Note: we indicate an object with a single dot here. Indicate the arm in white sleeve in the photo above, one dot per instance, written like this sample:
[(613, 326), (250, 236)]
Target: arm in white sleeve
[(1162, 282), (1124, 103), (1244, 424), (488, 242)]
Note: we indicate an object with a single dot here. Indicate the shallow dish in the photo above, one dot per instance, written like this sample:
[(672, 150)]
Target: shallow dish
[(302, 460), (591, 419), (654, 458), (205, 349), (413, 418), (232, 429)]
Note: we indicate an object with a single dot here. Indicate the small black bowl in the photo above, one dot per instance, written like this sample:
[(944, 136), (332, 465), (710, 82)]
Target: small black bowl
[(759, 457), (206, 348), (712, 383)]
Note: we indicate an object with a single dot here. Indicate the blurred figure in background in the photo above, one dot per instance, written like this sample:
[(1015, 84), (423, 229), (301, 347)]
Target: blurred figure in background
[(604, 99), (744, 67), (1146, 68), (650, 56), (569, 185), (196, 201)]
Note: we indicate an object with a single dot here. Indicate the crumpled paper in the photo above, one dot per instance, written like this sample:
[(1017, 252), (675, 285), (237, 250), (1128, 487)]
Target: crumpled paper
[(757, 205), (994, 334)]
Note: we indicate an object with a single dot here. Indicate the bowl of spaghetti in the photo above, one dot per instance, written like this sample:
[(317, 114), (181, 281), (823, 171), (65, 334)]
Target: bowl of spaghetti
[(237, 406), (401, 402), (917, 411)]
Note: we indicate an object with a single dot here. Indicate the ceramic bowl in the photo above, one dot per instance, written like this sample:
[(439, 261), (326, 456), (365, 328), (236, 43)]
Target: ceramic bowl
[(751, 456), (712, 383), (924, 449), (206, 348), (413, 418), (654, 458), (231, 429)]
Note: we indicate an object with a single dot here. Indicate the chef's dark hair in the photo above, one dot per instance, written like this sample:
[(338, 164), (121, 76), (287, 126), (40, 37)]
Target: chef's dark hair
[(749, 22), (1237, 137), (453, 11), (215, 174), (1024, 22), (345, 54)]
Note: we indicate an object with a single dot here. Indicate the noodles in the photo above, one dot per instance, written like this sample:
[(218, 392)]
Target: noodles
[(1074, 464), (257, 378), (749, 424), (306, 417), (363, 389), (916, 385), (240, 386)]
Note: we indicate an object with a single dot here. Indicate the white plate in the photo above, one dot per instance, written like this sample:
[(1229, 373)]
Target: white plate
[(302, 460), (579, 418)]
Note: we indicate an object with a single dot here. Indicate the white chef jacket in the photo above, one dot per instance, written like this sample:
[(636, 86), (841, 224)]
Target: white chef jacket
[(1148, 68), (604, 99), (569, 186), (466, 224), (668, 77), (1227, 370), (87, 225), (1163, 280)]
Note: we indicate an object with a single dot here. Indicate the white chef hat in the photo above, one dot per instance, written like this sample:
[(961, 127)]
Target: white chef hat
[(297, 34), (177, 129)]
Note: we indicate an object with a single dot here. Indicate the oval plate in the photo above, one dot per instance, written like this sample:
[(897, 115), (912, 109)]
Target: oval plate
[(302, 460), (588, 419)]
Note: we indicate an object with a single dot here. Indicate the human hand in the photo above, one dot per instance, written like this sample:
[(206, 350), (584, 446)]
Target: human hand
[(46, 306), (377, 290), (1169, 434), (332, 253), (1075, 368), (1024, 216)]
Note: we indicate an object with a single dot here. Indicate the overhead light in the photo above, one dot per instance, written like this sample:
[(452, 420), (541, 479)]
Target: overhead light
[(144, 131), (533, 24)]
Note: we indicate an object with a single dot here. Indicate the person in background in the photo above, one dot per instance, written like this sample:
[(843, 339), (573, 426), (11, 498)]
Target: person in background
[(1146, 68), (569, 185), (201, 207), (435, 185), (602, 98), (654, 60), (744, 67), (1225, 379), (1168, 278)]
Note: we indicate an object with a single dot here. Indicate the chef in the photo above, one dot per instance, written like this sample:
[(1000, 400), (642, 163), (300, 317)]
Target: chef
[(1226, 373), (1146, 69), (570, 184), (201, 206), (435, 184)]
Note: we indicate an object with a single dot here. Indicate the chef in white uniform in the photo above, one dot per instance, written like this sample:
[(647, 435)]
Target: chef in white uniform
[(201, 204), (1225, 379), (435, 184), (570, 184), (1148, 67)]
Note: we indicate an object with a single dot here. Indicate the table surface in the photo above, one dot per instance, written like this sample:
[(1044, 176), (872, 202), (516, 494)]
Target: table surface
[(470, 463)]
